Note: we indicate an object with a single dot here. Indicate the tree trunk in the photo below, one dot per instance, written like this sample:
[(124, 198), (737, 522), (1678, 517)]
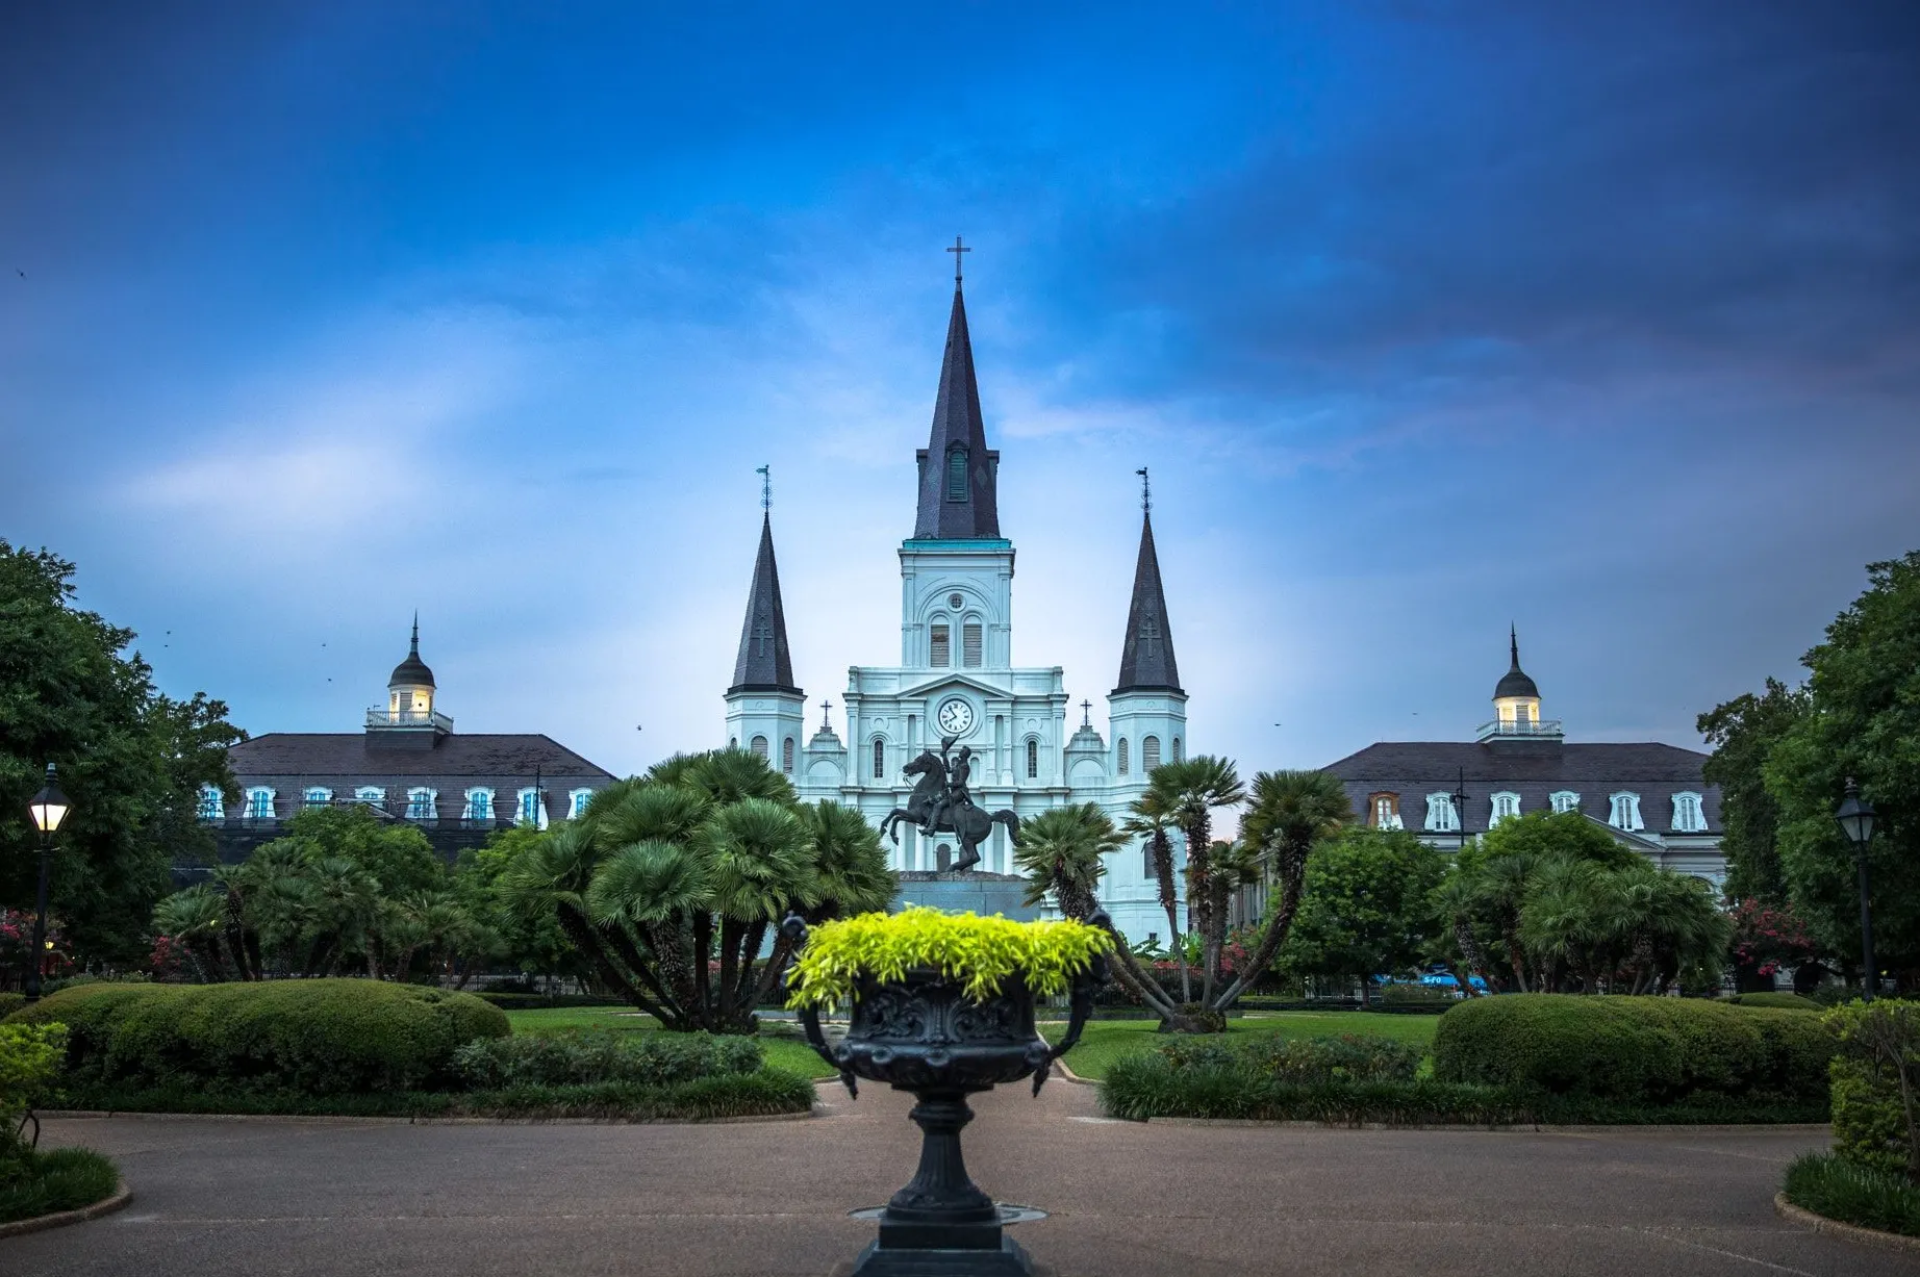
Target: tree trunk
[(1365, 1001), (1126, 969), (1170, 901), (587, 940), (702, 955), (1293, 873), (1475, 957)]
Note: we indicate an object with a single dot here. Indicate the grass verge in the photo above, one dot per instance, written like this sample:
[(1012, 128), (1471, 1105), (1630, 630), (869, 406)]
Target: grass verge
[(59, 1179), (1142, 1087), (1108, 1041), (766, 1093), (1840, 1190)]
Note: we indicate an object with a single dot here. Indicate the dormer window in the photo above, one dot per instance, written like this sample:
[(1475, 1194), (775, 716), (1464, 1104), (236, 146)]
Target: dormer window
[(940, 654), (423, 804), (1383, 811), (956, 474), (316, 797), (577, 800), (370, 795), (1623, 811), (1441, 818), (1688, 818), (1506, 805), (260, 803), (1565, 800), (530, 812), (479, 805), (213, 804)]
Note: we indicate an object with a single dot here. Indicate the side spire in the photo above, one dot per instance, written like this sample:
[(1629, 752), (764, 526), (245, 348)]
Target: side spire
[(1146, 655), (764, 663), (958, 472)]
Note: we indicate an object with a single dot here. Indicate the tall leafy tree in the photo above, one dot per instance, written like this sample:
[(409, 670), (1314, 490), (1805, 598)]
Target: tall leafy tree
[(1862, 720), (74, 693), (1367, 907), (1742, 732)]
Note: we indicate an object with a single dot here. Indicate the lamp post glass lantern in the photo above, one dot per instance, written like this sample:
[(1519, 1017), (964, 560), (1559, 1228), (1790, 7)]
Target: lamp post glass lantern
[(1856, 817), (49, 809)]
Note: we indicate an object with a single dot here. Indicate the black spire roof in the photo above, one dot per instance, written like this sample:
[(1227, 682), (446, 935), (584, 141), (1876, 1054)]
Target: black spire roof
[(957, 496), (1515, 682), (764, 664), (1146, 657), (413, 671)]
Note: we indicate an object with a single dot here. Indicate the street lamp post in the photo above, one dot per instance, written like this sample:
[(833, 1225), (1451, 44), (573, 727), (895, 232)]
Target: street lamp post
[(1459, 800), (1856, 816), (48, 808)]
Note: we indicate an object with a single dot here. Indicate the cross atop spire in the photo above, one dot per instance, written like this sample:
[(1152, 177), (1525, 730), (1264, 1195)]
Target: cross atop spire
[(957, 249), (1086, 713)]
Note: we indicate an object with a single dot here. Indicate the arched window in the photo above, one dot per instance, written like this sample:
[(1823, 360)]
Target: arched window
[(479, 805), (577, 801), (879, 759), (733, 742), (260, 804), (314, 796), (1441, 817), (1033, 759), (956, 474), (786, 755), (1123, 755), (1565, 800), (1176, 749), (940, 641), (1623, 811), (1383, 810), (759, 747), (213, 804), (423, 804), (1149, 754), (1687, 816), (970, 646), (1505, 806), (531, 809), (370, 796)]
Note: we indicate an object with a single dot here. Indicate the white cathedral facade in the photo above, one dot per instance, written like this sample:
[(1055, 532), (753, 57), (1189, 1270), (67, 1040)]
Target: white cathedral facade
[(957, 677)]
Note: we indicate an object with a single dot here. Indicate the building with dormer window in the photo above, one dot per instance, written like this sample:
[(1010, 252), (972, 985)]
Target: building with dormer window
[(408, 765)]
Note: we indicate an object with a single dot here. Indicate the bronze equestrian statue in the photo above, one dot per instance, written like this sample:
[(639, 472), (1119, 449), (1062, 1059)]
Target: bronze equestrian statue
[(941, 803)]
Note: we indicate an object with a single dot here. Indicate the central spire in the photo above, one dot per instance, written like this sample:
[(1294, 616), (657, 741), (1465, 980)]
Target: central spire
[(1146, 654), (958, 472)]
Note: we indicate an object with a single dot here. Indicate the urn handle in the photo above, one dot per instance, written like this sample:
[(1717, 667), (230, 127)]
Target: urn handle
[(1085, 985), (794, 928)]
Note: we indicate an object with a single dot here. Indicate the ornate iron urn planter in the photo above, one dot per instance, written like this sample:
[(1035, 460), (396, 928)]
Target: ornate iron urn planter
[(923, 1034)]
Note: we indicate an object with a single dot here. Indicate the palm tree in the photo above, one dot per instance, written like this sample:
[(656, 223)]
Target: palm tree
[(1190, 789), (1060, 852), (1291, 810), (1151, 818), (194, 917)]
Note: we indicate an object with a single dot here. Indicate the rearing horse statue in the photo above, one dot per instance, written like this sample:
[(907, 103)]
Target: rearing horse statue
[(969, 824)]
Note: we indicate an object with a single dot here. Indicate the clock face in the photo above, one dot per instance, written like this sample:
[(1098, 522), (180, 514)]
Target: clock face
[(955, 718)]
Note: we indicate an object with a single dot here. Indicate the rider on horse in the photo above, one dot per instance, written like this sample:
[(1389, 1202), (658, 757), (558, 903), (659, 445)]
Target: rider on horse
[(956, 797)]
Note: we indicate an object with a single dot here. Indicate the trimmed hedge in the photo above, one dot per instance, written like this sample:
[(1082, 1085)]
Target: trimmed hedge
[(763, 1093), (1149, 1085), (1869, 1114), (1776, 1001), (11, 1002), (1642, 1050), (1351, 1057), (641, 1059), (314, 1036)]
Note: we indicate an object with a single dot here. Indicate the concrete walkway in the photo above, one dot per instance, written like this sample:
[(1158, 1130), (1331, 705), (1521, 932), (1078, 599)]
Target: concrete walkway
[(226, 1198)]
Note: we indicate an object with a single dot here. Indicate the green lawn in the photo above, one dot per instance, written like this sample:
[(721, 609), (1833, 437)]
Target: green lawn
[(1107, 1040), (781, 1049)]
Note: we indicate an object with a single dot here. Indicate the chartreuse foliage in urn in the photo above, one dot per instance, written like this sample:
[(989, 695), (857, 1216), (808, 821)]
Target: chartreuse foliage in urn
[(982, 953)]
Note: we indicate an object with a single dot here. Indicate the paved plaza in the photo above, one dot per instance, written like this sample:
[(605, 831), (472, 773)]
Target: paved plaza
[(223, 1198)]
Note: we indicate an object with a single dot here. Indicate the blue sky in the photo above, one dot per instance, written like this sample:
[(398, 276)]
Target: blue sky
[(1603, 319)]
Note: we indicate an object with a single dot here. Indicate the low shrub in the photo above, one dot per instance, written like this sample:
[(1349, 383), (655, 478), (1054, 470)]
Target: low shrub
[(29, 1059), (1874, 1076), (643, 1059), (1149, 1085), (1634, 1049), (1838, 1188), (1351, 1057), (318, 1036), (35, 1183), (765, 1092), (11, 1002), (1776, 1001)]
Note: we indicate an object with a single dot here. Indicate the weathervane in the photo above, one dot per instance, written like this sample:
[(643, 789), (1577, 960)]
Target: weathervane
[(957, 249), (766, 486), (1146, 490)]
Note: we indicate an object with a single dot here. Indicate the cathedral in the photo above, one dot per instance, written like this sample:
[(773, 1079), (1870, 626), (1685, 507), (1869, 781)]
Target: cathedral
[(956, 677)]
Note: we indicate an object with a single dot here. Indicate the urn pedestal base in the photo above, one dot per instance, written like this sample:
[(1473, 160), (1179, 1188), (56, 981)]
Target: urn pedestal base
[(1008, 1259)]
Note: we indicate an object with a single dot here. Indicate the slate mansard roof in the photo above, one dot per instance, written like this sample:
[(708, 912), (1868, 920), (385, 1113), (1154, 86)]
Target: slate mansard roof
[(333, 755), (1595, 771)]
